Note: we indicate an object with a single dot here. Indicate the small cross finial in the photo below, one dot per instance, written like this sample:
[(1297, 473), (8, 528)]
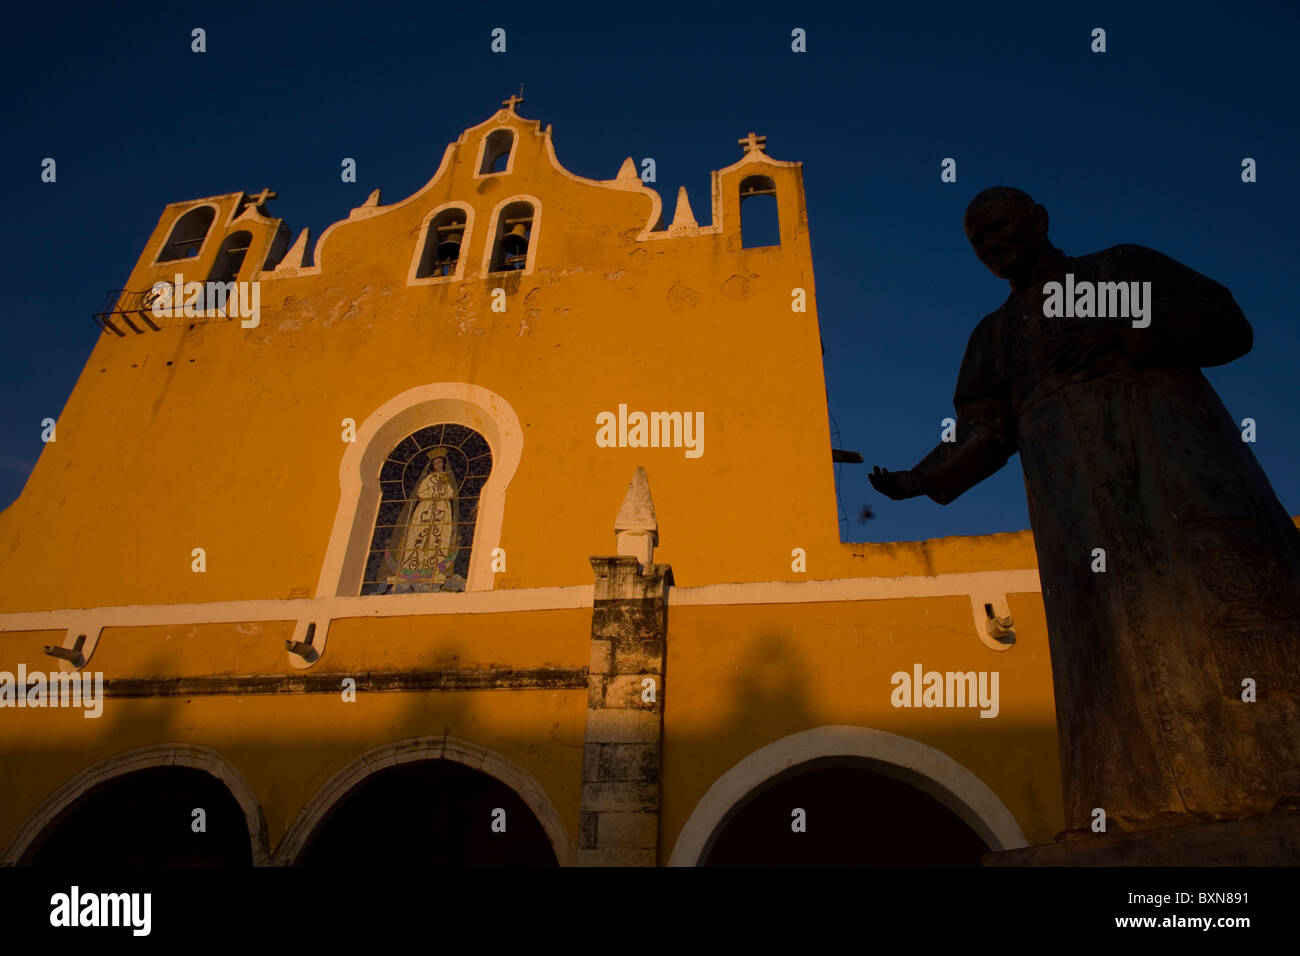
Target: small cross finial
[(259, 199), (513, 101), (752, 143)]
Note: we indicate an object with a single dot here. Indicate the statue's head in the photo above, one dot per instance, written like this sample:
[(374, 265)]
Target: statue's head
[(1008, 231), (438, 458)]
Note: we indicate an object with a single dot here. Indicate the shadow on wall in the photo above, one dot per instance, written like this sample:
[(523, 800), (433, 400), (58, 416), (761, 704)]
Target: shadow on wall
[(443, 813), (423, 813)]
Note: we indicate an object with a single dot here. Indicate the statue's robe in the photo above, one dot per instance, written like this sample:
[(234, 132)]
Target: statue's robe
[(1135, 454)]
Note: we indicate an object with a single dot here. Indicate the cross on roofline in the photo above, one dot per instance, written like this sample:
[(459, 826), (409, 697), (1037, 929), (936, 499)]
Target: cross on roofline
[(752, 143), (259, 199), (512, 102)]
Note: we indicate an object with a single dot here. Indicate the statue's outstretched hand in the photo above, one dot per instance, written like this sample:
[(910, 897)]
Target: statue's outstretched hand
[(896, 484)]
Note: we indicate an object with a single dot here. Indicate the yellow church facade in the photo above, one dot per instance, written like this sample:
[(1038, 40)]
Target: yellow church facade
[(497, 525)]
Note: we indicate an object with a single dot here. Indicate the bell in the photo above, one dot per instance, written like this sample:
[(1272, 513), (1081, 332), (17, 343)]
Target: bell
[(516, 241), (449, 247)]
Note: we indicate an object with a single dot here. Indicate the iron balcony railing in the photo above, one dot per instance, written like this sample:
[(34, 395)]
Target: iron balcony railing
[(125, 310), (129, 309)]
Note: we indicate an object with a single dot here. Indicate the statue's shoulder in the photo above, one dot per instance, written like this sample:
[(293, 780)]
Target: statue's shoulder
[(1127, 254), (1132, 262), (1126, 249)]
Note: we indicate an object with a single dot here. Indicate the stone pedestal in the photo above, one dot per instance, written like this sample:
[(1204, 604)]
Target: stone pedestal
[(1269, 840), (625, 693)]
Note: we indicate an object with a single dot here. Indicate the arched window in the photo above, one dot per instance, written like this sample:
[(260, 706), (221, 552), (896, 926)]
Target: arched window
[(429, 491), (442, 244), (231, 257), (344, 567), (496, 152), (513, 237), (759, 223), (188, 234)]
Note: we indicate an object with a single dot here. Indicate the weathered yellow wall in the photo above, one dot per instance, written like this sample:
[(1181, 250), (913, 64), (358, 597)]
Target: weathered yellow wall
[(229, 438)]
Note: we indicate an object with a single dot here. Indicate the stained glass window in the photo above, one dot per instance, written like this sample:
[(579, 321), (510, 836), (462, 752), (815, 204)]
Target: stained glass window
[(429, 496)]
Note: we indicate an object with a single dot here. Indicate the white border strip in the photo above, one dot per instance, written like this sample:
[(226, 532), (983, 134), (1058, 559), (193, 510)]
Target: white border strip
[(520, 599), (858, 589), (333, 608)]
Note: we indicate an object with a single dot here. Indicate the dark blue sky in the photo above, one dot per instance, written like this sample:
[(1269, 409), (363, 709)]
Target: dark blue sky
[(1142, 144)]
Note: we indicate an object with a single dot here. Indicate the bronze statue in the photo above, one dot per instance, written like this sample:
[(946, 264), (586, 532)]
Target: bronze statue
[(1126, 447)]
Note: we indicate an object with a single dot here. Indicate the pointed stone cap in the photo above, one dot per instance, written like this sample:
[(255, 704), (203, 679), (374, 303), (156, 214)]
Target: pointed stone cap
[(638, 510), (370, 206), (683, 216), (627, 172), (296, 257)]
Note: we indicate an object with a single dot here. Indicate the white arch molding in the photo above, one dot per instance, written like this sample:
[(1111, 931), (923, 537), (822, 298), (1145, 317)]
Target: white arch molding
[(426, 226), (158, 755), (456, 403), (494, 231), (213, 228), (910, 761), (415, 750)]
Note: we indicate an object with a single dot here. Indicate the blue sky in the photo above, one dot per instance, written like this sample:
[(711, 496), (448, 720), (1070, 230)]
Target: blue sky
[(1141, 144)]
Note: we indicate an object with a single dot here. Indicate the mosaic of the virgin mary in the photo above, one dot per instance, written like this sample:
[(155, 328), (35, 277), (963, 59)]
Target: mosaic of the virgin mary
[(420, 555)]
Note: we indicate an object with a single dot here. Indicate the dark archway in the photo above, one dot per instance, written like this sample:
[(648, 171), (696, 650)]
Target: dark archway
[(760, 223), (496, 152), (187, 235), (145, 819), (855, 816), (429, 813), (230, 258), (514, 237), (443, 242)]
